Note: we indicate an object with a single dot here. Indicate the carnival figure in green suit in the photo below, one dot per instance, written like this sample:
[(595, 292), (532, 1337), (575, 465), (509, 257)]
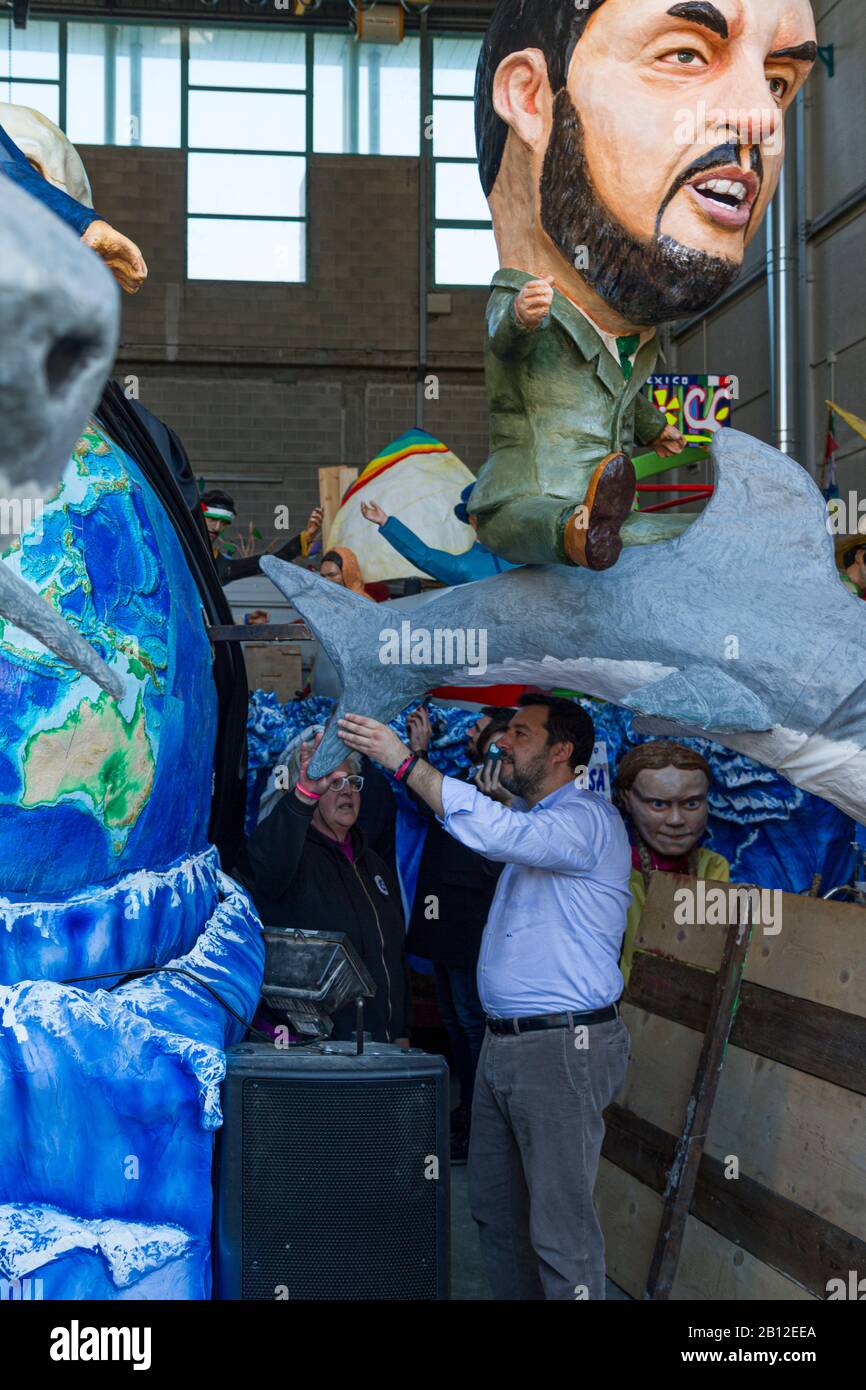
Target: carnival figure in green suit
[(629, 150)]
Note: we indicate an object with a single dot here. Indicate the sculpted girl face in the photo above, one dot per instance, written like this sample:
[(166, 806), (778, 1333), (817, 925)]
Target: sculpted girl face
[(657, 162), (669, 808)]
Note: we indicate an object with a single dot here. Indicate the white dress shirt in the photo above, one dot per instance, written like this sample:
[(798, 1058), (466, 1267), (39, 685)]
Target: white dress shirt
[(554, 934)]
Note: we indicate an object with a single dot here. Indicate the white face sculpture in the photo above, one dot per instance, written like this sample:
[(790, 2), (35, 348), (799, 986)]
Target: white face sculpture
[(48, 150)]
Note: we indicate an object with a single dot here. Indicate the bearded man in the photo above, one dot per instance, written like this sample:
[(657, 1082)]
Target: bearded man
[(555, 1050), (629, 150)]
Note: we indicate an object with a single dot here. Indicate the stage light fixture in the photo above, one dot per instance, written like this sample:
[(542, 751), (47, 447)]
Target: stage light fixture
[(374, 23)]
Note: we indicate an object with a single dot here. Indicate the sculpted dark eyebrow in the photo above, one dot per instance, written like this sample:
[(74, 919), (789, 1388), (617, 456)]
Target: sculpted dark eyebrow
[(701, 12), (805, 53)]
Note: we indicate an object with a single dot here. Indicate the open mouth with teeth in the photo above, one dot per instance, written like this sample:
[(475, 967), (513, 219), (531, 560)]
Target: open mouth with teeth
[(726, 196)]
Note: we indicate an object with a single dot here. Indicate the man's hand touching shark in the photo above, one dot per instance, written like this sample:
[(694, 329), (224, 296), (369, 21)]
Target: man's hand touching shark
[(381, 744)]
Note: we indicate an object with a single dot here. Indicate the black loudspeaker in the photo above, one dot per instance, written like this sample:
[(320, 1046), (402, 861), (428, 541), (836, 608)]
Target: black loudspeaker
[(333, 1174)]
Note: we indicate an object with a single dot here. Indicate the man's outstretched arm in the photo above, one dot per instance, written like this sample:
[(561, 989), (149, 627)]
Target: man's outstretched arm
[(382, 745), (554, 838)]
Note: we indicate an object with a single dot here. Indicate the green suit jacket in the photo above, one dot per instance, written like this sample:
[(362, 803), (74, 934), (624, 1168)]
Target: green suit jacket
[(558, 401)]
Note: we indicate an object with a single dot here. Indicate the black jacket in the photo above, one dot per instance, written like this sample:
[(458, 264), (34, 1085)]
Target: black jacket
[(377, 820), (300, 878), (229, 568), (448, 931)]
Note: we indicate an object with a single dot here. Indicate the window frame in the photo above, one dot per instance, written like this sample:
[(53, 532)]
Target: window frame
[(185, 88), (59, 81), (431, 161), (428, 161)]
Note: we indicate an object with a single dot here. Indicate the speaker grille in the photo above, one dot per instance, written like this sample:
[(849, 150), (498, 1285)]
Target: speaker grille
[(336, 1203)]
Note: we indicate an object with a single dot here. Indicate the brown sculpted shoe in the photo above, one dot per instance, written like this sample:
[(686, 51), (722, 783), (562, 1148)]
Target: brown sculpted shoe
[(592, 534)]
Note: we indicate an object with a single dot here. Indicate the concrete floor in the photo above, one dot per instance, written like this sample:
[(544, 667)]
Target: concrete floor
[(468, 1280)]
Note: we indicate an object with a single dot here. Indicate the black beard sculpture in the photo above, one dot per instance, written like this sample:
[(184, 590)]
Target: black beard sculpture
[(647, 283)]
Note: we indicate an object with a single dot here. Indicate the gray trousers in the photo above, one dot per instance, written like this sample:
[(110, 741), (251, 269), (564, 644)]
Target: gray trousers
[(536, 1138)]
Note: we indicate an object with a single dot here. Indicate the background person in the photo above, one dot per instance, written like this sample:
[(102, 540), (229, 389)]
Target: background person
[(555, 1052), (455, 888), (663, 789), (341, 566), (476, 563), (218, 508), (311, 867), (851, 563)]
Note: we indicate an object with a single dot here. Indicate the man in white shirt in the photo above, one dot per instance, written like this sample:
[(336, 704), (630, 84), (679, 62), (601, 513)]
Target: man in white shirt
[(555, 1052)]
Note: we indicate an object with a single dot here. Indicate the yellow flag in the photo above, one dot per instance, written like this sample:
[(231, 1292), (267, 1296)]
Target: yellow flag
[(853, 421)]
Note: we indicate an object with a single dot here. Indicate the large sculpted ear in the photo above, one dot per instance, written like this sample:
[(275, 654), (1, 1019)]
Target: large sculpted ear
[(522, 96)]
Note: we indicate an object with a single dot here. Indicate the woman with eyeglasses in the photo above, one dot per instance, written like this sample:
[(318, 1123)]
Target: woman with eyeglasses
[(312, 868)]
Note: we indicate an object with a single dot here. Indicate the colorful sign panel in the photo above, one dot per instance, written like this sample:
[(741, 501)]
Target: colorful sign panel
[(697, 405)]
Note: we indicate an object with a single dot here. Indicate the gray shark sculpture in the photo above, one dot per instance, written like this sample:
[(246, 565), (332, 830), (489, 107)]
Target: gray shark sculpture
[(59, 322), (740, 630)]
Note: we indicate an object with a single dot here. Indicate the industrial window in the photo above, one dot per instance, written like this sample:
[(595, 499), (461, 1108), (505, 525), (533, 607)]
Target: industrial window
[(248, 106), (123, 84), (247, 141), (367, 96), (464, 249), (30, 67)]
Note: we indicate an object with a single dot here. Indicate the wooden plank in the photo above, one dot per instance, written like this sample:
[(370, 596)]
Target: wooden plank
[(658, 932), (794, 1133), (711, 1267), (671, 989), (690, 1147), (817, 955), (714, 1270), (664, 1058), (774, 1229), (334, 483), (630, 1214), (274, 669), (810, 1037)]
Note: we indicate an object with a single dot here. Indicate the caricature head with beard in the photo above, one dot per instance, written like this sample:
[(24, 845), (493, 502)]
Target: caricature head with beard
[(630, 148)]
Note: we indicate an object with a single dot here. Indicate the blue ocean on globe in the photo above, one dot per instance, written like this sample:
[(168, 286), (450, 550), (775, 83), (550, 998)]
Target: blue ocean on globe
[(105, 870), (90, 790)]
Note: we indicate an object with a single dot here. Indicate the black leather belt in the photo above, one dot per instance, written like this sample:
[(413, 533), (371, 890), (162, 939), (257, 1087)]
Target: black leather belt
[(569, 1020)]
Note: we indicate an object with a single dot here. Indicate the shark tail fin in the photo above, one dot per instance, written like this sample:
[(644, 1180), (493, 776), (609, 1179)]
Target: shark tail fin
[(350, 629)]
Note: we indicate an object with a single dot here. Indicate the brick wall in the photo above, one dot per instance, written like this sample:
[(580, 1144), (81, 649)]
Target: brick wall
[(264, 383)]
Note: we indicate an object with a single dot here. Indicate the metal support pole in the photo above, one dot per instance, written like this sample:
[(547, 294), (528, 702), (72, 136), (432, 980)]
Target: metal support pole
[(110, 84), (352, 98), (784, 338), (374, 80), (805, 394), (424, 191), (135, 96)]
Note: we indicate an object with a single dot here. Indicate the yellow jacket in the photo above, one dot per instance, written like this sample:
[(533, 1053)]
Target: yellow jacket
[(709, 865)]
